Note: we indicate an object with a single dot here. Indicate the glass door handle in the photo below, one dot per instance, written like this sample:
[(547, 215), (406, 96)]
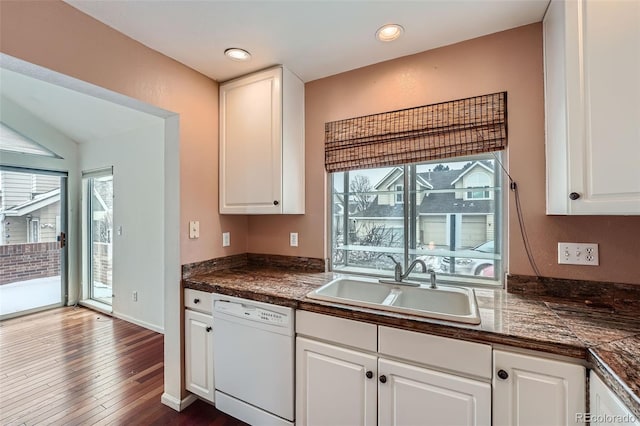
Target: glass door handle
[(62, 239)]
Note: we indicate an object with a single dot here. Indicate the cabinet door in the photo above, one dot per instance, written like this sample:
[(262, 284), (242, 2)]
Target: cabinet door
[(251, 144), (198, 342), (607, 158), (533, 391), (592, 100), (413, 395), (605, 407), (333, 386)]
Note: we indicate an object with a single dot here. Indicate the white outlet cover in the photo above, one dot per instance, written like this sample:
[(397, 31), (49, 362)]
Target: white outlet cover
[(293, 239), (194, 229), (578, 254), (226, 239)]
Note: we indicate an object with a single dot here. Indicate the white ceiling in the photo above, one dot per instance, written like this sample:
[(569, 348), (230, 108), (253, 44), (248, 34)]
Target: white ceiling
[(313, 38)]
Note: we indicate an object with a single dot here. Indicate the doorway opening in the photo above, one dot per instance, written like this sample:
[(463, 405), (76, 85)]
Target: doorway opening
[(32, 240), (98, 235)]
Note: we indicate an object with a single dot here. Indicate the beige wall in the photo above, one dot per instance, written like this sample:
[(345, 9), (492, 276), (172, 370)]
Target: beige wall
[(509, 61), (55, 35)]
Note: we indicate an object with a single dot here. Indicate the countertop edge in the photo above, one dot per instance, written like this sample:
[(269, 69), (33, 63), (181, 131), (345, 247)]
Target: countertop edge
[(614, 382), (439, 328)]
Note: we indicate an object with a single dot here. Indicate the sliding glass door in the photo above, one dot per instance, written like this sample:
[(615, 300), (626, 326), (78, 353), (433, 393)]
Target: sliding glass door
[(32, 240), (98, 235)]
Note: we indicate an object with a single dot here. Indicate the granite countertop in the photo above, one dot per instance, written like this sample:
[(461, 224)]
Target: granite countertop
[(608, 342)]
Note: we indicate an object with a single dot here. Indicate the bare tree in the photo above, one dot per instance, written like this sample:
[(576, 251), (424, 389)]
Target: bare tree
[(360, 188)]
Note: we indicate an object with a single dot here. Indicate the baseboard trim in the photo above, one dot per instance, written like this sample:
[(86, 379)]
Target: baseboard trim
[(138, 322), (177, 404), (96, 306)]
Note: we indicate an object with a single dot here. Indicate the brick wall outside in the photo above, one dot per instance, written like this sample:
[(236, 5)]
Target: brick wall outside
[(21, 262), (102, 263)]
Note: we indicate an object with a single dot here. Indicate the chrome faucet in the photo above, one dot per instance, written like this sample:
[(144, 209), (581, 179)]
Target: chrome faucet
[(399, 276), (432, 278)]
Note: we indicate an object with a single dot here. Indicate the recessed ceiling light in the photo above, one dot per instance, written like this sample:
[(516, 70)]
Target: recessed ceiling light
[(237, 54), (389, 32)]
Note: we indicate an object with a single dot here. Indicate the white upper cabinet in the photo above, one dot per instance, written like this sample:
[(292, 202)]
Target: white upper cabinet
[(262, 144), (592, 107)]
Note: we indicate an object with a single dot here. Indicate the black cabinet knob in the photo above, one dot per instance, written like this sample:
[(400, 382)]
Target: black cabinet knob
[(369, 374), (383, 379), (275, 202), (196, 301), (208, 329), (503, 374), (574, 196)]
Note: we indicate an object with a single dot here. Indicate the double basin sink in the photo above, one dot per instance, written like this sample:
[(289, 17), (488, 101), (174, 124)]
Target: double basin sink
[(449, 303)]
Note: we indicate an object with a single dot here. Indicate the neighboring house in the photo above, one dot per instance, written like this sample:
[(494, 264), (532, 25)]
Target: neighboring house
[(452, 206), (29, 208)]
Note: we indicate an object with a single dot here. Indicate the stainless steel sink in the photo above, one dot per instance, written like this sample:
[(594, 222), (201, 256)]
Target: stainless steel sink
[(445, 302)]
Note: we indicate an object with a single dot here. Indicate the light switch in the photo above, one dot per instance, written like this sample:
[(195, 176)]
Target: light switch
[(226, 239), (194, 229), (578, 254), (293, 239)]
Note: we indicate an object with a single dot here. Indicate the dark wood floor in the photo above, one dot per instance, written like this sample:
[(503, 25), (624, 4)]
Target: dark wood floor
[(74, 366)]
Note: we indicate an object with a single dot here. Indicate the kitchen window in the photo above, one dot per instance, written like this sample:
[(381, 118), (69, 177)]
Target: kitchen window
[(448, 214)]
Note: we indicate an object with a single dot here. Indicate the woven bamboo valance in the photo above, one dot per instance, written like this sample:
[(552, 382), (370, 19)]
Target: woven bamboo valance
[(439, 131)]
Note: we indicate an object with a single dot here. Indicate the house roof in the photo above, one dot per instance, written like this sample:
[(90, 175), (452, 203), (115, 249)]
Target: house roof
[(433, 202), (473, 166), (390, 178), (38, 202)]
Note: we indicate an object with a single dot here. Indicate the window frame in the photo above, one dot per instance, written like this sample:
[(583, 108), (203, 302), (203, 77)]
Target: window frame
[(500, 215)]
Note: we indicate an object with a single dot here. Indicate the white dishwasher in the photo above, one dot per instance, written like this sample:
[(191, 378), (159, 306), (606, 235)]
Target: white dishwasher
[(254, 360)]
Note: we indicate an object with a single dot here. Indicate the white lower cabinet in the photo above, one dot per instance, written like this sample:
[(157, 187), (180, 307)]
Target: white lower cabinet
[(335, 385), (369, 384), (605, 408), (528, 390), (198, 342), (412, 395)]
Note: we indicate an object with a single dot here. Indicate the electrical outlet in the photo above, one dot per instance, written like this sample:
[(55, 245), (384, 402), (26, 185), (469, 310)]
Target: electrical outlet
[(578, 254), (226, 239), (293, 239), (134, 296), (194, 229)]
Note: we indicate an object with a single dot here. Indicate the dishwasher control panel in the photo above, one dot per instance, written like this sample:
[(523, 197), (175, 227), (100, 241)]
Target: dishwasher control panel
[(251, 312)]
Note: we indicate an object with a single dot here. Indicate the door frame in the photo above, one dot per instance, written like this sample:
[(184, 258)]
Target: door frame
[(86, 236), (64, 223)]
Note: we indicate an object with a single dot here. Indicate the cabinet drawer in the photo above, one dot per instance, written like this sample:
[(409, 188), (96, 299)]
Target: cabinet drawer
[(198, 301), (339, 330), (456, 355)]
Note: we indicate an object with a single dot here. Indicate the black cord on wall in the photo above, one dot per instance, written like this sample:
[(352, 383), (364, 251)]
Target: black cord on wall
[(523, 230)]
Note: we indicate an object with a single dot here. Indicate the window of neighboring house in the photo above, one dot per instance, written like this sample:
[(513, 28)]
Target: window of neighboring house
[(399, 194), (460, 240), (34, 230), (478, 181)]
